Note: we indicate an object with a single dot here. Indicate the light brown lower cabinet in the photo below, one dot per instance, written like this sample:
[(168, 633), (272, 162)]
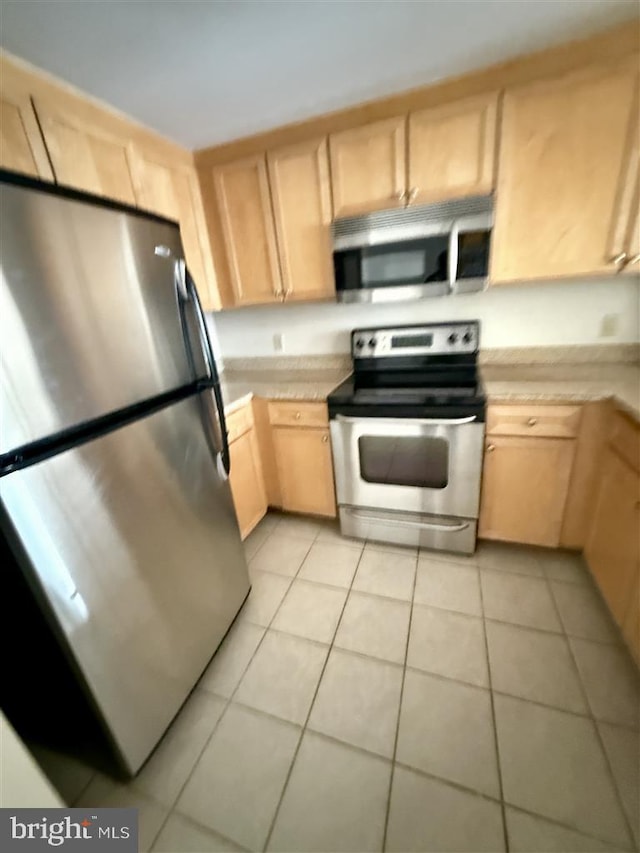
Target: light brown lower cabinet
[(612, 550), (305, 471), (247, 482), (524, 488)]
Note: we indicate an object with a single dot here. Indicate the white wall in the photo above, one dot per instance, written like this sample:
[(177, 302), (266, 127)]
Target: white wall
[(553, 313)]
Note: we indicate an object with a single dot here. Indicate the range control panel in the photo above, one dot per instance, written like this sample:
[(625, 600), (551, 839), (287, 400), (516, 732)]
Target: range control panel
[(429, 339)]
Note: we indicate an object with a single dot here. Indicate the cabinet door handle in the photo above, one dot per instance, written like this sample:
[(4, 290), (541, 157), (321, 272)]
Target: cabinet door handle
[(618, 260), (288, 292), (532, 421), (491, 448), (635, 259), (413, 192), (400, 195), (325, 439), (298, 416), (277, 292)]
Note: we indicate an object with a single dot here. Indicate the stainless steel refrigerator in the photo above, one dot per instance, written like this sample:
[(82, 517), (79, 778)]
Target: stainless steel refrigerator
[(114, 463)]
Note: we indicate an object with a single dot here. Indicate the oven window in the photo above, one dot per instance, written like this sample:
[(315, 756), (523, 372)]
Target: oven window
[(417, 460)]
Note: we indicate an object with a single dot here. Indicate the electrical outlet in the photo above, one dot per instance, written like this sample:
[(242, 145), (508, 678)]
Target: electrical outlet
[(278, 342), (609, 325)]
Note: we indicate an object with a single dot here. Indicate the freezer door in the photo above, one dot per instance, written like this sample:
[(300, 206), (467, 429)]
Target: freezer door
[(132, 541), (89, 319)]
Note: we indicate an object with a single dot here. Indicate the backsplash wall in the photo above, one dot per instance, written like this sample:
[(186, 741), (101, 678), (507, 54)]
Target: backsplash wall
[(553, 313)]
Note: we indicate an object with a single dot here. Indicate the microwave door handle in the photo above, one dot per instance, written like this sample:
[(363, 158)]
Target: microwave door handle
[(453, 255)]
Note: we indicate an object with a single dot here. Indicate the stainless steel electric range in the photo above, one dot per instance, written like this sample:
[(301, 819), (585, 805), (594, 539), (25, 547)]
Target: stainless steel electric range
[(407, 432)]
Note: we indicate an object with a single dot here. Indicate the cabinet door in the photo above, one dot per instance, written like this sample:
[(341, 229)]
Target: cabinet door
[(172, 190), (86, 156), (524, 489), (631, 624), (301, 194), (242, 193), (452, 150), (562, 156), (22, 148), (613, 544), (305, 470), (247, 484), (368, 167)]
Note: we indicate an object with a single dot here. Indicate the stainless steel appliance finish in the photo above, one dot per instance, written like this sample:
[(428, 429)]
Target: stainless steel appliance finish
[(404, 231), (114, 493), (89, 317), (426, 466), (407, 434), (132, 543)]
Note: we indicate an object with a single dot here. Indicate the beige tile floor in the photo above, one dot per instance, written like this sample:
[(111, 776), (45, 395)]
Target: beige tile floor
[(376, 698)]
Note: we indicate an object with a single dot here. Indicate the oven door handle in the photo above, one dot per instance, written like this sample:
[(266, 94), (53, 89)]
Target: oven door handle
[(406, 421), (450, 528)]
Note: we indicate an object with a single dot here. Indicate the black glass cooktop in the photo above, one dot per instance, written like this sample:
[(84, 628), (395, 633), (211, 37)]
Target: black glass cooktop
[(375, 397)]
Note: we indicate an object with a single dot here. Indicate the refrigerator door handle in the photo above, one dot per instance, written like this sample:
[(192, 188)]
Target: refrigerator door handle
[(187, 291)]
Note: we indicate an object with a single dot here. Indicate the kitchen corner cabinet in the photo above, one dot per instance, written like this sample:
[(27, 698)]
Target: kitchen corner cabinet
[(300, 436), (567, 187), (84, 155), (245, 477), (368, 167), (452, 150), (527, 468), (171, 189), (612, 549), (22, 148), (301, 197), (244, 203)]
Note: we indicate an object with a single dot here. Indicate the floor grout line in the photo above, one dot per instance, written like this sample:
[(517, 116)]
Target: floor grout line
[(594, 722), (397, 733), (505, 829), (308, 716)]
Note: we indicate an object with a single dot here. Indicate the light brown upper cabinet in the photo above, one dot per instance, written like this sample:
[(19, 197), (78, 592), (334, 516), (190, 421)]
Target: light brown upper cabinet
[(452, 150), (244, 203), (368, 167), (301, 196), (171, 189), (566, 179), (21, 146), (84, 155)]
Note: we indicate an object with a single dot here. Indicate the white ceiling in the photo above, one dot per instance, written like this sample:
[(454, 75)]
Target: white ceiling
[(203, 71)]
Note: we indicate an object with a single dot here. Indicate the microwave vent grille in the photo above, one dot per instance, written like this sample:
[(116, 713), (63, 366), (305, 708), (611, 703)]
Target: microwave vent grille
[(407, 223)]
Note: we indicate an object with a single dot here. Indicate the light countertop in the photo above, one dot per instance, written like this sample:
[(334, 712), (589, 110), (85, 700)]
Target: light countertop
[(564, 383), (239, 386), (512, 383)]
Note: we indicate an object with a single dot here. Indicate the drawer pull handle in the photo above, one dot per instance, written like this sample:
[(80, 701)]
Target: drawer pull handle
[(532, 421), (325, 439), (298, 416), (491, 448)]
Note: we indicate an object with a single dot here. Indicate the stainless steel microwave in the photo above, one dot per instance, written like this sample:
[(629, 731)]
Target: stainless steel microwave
[(415, 252)]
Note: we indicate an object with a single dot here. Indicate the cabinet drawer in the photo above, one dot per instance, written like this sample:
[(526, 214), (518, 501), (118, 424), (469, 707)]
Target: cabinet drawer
[(625, 440), (298, 414), (239, 422), (539, 421)]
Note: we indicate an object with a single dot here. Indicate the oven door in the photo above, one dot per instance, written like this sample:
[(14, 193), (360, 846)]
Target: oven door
[(422, 466)]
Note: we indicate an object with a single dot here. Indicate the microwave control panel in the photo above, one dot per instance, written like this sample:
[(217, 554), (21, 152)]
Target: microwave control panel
[(458, 338)]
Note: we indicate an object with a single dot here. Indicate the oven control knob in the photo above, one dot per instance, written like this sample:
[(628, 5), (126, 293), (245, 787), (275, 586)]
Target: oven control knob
[(467, 337), (453, 338), (372, 342), (359, 343)]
